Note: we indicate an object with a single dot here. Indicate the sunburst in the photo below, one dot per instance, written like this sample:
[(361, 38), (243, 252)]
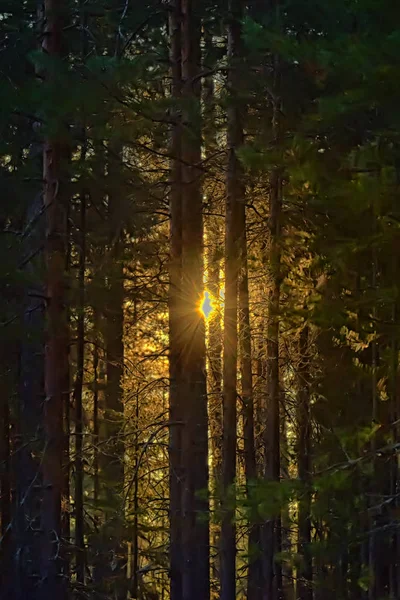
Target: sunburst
[(207, 305)]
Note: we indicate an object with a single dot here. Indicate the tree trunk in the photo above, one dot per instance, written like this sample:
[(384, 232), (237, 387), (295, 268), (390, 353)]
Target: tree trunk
[(214, 351), (6, 386), (95, 438), (53, 583), (79, 471), (305, 575), (195, 530), (214, 344), (250, 465), (234, 196), (272, 429), (112, 455), (175, 339)]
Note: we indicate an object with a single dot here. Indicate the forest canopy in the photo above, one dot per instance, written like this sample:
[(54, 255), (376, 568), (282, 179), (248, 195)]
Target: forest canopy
[(199, 307)]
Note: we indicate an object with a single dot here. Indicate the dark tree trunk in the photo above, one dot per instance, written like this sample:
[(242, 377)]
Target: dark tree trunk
[(7, 374), (195, 507), (175, 315), (79, 471), (111, 457), (271, 529), (53, 583), (135, 536), (305, 574), (254, 580), (234, 196), (95, 438)]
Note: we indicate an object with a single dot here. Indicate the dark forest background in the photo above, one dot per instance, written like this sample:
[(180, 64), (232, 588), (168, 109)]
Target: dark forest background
[(199, 307)]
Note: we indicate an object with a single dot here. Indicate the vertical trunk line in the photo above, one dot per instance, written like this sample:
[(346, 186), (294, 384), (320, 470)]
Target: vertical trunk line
[(175, 314), (305, 574), (195, 502), (235, 195), (56, 347)]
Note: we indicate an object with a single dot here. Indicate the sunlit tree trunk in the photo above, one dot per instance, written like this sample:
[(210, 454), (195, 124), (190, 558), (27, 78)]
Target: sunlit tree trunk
[(214, 285), (175, 314), (195, 530), (214, 351)]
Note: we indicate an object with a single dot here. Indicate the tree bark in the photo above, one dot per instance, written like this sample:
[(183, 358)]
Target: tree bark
[(195, 530), (112, 454), (305, 574), (234, 196), (272, 429), (250, 465), (6, 386), (53, 583), (175, 315), (79, 471)]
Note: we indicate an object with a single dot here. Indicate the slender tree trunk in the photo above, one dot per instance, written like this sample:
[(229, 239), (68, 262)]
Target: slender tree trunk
[(250, 465), (78, 392), (135, 549), (214, 344), (214, 351), (113, 468), (53, 582), (195, 530), (65, 515), (305, 575), (272, 430), (175, 315), (7, 369), (79, 471), (234, 196), (112, 457), (96, 482), (272, 529)]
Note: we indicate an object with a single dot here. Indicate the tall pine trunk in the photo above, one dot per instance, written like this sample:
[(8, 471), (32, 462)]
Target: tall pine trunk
[(272, 570), (234, 196), (53, 582), (195, 507), (112, 453), (250, 464), (305, 575), (175, 294), (271, 537), (6, 386), (79, 470)]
